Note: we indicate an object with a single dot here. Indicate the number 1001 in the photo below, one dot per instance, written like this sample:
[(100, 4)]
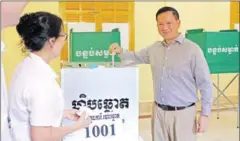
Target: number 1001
[(103, 130)]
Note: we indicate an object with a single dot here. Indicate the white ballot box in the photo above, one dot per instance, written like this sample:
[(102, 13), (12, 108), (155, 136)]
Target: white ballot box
[(111, 94)]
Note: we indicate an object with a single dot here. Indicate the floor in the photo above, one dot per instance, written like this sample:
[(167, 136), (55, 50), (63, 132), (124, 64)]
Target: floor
[(222, 129)]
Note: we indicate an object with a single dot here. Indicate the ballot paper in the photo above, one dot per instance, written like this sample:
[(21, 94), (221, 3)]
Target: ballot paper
[(87, 110)]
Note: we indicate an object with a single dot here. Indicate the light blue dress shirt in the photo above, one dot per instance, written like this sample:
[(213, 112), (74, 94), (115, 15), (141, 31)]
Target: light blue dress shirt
[(178, 71)]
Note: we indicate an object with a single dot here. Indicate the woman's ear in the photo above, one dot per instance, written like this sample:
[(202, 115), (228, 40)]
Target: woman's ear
[(51, 41)]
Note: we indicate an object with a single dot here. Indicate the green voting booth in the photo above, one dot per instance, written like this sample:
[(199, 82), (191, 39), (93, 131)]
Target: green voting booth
[(221, 50), (92, 47)]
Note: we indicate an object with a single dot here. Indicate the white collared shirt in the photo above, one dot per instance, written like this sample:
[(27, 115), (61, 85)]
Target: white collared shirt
[(5, 134), (35, 97)]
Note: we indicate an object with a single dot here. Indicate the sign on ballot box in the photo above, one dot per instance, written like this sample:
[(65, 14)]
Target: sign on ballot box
[(110, 94)]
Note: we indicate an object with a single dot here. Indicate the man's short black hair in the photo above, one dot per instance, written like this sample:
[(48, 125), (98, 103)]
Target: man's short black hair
[(166, 9)]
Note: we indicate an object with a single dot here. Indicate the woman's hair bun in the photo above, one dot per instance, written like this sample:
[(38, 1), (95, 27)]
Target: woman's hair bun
[(24, 23), (36, 28)]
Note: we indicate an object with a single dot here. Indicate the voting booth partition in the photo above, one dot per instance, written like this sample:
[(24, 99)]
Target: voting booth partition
[(221, 50), (110, 93), (92, 47)]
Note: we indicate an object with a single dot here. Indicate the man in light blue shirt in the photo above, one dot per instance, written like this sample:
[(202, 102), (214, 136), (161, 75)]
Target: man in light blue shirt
[(178, 68)]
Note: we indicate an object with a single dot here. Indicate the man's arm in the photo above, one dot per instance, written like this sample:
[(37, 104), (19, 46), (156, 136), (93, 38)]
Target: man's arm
[(137, 57), (132, 57), (10, 13), (203, 80)]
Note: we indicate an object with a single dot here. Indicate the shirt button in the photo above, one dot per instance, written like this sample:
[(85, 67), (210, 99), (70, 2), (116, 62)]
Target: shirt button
[(162, 78), (162, 99), (161, 89), (165, 57)]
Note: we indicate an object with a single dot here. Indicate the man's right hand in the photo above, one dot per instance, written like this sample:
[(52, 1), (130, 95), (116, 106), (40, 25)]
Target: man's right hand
[(115, 48)]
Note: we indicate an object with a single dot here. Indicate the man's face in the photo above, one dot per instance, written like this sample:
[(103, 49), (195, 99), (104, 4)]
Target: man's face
[(168, 25)]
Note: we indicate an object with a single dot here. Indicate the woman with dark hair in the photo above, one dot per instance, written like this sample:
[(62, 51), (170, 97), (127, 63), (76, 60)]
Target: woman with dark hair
[(36, 100)]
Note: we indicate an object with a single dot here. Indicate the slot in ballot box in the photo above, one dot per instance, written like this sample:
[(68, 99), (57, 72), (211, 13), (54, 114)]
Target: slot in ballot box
[(221, 49), (112, 96)]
